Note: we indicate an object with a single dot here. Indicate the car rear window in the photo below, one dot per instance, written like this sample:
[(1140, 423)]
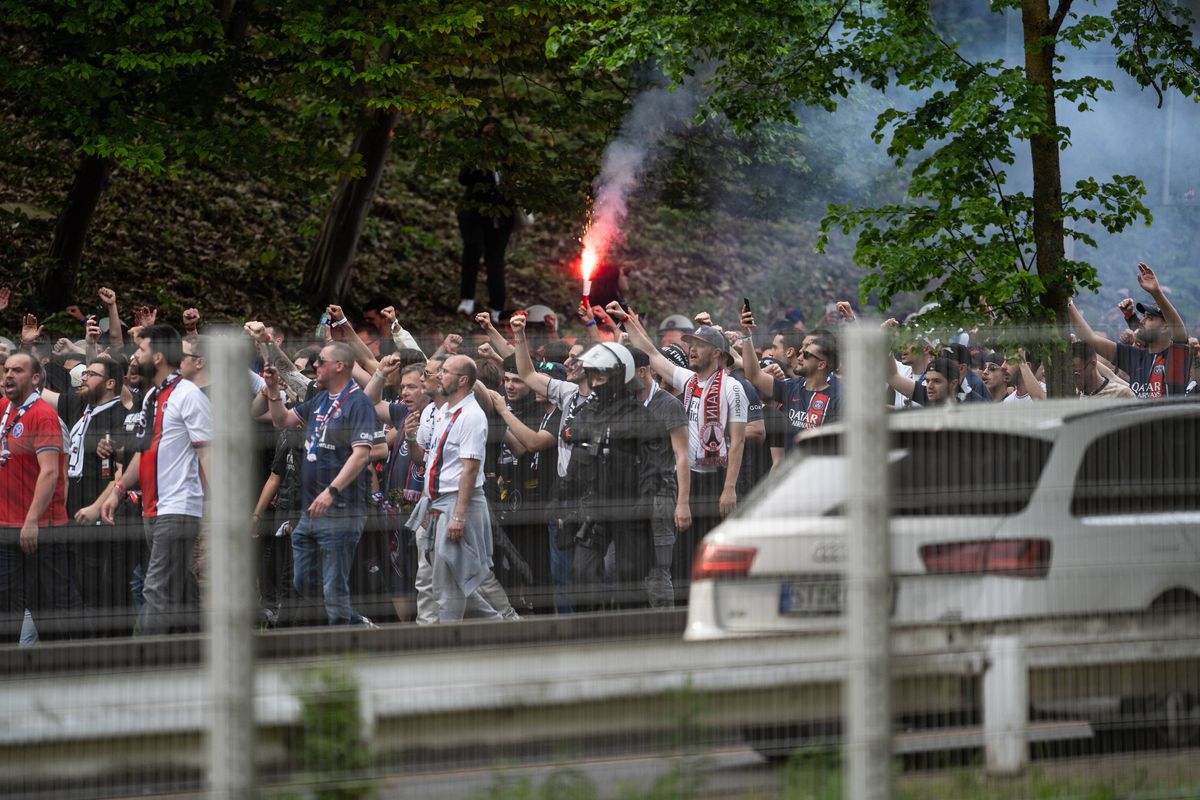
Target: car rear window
[(959, 473), (1149, 468), (956, 473)]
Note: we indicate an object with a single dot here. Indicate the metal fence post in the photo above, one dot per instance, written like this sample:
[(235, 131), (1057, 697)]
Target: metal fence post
[(1006, 707), (868, 687), (230, 600)]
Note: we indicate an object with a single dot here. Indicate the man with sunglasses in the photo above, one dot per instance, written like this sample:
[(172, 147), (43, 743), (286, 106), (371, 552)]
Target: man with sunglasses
[(340, 428), (810, 399)]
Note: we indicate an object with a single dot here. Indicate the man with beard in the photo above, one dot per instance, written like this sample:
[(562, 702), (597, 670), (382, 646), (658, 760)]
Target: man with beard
[(1159, 368), (461, 522), (809, 400), (717, 410), (339, 430), (171, 437), (97, 424), (35, 564)]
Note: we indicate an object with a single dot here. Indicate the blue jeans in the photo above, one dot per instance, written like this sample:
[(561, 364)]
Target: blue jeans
[(560, 573), (325, 547)]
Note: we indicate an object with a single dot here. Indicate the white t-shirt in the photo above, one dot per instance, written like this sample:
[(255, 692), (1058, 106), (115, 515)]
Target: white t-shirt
[(733, 397), (170, 470), (1013, 397), (459, 431)]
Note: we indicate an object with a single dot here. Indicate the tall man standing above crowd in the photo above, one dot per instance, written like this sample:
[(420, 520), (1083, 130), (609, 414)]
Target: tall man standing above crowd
[(35, 566), (339, 430), (1159, 370), (171, 435), (717, 412)]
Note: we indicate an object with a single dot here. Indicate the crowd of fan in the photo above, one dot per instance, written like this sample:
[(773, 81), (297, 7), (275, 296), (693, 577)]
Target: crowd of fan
[(605, 457)]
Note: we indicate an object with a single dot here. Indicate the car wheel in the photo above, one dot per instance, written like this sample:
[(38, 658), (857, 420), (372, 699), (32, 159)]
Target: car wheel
[(1177, 719)]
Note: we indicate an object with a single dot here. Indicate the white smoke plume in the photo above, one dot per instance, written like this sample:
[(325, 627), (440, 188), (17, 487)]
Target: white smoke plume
[(655, 114)]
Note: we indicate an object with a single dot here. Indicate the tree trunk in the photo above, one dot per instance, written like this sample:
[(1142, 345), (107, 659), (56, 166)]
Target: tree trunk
[(1047, 194), (57, 288), (327, 272)]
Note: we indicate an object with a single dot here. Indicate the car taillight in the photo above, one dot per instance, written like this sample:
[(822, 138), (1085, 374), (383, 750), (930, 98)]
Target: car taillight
[(1022, 558), (716, 561)]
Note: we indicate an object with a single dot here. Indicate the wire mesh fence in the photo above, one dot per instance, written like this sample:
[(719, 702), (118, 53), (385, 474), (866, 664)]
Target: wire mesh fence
[(622, 567)]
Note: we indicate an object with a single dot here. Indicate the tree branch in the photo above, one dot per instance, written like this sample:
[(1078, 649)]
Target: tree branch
[(1060, 14)]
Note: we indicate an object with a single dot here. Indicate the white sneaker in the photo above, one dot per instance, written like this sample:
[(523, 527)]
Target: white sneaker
[(466, 306), (495, 315)]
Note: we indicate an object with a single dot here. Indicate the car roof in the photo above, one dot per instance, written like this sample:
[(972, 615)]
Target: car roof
[(1041, 419)]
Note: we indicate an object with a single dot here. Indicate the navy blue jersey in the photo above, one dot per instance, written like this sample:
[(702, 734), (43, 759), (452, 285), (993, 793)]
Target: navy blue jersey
[(804, 409), (353, 424)]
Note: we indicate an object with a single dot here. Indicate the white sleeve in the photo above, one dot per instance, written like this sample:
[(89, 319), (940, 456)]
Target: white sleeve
[(681, 376), (196, 411), (737, 405), (561, 393), (256, 381), (472, 435)]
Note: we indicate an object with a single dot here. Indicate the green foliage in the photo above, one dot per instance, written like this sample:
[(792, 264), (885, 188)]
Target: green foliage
[(964, 236), (332, 754)]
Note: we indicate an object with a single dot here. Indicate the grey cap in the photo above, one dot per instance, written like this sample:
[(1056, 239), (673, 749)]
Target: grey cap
[(707, 334), (675, 322)]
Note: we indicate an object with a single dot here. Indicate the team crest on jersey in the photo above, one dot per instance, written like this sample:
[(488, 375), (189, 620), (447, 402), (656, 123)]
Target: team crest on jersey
[(818, 404), (1160, 369), (18, 429)]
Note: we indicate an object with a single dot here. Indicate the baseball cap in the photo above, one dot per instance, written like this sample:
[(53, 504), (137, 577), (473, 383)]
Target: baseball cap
[(1151, 310), (707, 334), (536, 314), (767, 361), (675, 322), (553, 369), (675, 354)]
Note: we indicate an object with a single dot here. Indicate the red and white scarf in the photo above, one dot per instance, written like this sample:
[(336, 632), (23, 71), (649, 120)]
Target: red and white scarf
[(712, 449)]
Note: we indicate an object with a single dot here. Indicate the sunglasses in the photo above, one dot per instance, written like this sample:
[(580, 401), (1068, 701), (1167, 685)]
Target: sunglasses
[(318, 361), (813, 356)]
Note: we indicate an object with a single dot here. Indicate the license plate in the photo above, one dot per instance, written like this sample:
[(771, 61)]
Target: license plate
[(817, 596)]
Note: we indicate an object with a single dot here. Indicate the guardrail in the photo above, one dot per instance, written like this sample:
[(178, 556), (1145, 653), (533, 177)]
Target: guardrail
[(92, 708)]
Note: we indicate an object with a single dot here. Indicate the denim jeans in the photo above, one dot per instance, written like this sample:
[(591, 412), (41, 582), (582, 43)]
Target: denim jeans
[(560, 572), (322, 551)]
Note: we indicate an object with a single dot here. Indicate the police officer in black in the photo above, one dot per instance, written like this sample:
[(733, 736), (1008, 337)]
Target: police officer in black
[(609, 457)]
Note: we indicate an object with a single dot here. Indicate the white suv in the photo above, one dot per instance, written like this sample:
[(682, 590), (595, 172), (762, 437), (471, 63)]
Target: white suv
[(1012, 510)]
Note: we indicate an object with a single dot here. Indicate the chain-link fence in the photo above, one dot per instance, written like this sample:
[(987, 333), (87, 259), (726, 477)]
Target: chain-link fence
[(680, 572)]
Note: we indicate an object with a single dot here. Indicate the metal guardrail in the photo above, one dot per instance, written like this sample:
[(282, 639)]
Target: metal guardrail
[(579, 676)]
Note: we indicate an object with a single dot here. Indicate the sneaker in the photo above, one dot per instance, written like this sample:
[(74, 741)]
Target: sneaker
[(367, 623), (495, 315), (465, 306)]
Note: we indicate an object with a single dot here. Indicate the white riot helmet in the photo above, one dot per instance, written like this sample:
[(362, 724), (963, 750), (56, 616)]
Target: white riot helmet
[(605, 356)]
